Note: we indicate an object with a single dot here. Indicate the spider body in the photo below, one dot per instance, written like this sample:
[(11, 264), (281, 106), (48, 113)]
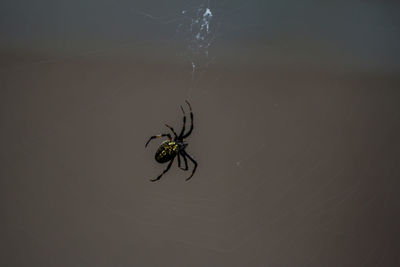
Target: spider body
[(168, 150), (174, 147)]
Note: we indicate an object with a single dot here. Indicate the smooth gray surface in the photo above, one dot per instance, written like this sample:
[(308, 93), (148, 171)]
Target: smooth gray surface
[(296, 134)]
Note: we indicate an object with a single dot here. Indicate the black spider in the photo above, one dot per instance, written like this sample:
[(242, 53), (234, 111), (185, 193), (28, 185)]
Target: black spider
[(169, 149)]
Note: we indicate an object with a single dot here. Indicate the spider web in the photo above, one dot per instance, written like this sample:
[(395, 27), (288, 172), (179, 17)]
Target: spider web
[(197, 27), (201, 35)]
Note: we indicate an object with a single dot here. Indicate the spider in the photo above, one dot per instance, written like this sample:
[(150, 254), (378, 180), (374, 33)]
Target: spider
[(171, 148)]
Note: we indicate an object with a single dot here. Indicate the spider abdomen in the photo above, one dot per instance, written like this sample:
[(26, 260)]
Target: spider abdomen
[(167, 150)]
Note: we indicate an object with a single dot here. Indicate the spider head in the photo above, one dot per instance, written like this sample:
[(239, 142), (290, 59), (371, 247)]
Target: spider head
[(182, 145)]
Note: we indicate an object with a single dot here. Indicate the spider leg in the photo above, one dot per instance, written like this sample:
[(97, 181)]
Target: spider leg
[(157, 136), (191, 122), (168, 167), (184, 122), (192, 160), (172, 130), (179, 161), (184, 158)]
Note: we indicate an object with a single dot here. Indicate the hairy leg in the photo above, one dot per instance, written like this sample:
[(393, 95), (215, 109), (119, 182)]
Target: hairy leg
[(184, 122), (185, 160), (158, 136), (194, 162), (191, 122), (172, 130), (169, 166)]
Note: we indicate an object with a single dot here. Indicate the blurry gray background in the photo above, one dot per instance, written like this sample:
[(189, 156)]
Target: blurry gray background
[(296, 133)]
